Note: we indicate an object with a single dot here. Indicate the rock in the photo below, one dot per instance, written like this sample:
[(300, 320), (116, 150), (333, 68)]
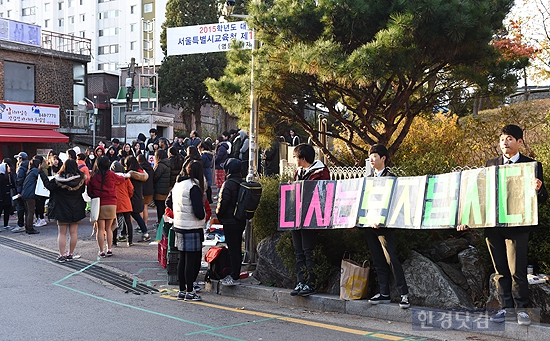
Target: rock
[(447, 249), (270, 268), (429, 286), (454, 273), (472, 268), (539, 299)]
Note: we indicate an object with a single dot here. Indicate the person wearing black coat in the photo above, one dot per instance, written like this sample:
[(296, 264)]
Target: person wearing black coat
[(232, 227), (6, 186), (148, 186), (66, 204)]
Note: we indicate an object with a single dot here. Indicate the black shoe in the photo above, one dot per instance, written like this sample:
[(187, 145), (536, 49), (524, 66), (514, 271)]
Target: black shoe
[(32, 232), (297, 290), (306, 291), (379, 298)]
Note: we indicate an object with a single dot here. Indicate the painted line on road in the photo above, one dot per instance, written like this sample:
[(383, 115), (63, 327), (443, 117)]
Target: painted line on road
[(210, 330), (379, 335)]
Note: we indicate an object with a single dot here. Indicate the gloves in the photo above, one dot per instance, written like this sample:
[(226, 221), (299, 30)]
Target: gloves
[(169, 213)]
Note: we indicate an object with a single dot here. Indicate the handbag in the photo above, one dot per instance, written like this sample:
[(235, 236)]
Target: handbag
[(40, 189), (95, 204), (94, 209), (354, 279)]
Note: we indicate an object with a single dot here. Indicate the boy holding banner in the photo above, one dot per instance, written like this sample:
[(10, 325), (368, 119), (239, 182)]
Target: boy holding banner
[(382, 244), (508, 245), (304, 240)]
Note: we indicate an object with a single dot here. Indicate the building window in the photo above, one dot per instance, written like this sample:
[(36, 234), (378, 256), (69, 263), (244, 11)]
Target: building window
[(1, 14), (71, 20), (148, 8), (132, 45), (119, 115), (60, 5), (28, 11), (61, 22), (46, 7), (83, 34), (82, 17), (113, 49), (132, 27), (70, 3), (46, 23), (132, 9), (9, 14), (81, 2)]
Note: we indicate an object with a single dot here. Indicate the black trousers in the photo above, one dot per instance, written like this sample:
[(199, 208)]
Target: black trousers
[(384, 256), (304, 242), (234, 239), (189, 266), (508, 249)]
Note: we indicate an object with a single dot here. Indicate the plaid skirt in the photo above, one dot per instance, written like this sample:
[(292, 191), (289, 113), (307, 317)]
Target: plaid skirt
[(189, 241), (220, 178)]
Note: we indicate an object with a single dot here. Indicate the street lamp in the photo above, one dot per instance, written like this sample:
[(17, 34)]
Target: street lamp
[(254, 120), (82, 107)]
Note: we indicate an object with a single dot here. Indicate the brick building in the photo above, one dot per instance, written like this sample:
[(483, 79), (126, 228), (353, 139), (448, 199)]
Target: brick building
[(54, 77)]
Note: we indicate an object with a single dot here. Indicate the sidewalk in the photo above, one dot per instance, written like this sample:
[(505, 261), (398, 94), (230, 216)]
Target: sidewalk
[(140, 262)]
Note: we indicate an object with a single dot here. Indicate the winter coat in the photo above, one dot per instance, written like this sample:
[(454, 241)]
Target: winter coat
[(107, 193), (316, 171), (227, 199), (222, 153), (207, 158), (148, 188), (124, 190), (5, 186), (29, 185), (243, 151), (176, 163), (84, 169), (21, 175), (188, 208), (161, 178), (66, 203), (138, 178)]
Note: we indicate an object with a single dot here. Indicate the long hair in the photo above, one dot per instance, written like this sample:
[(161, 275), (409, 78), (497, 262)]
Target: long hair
[(131, 163), (70, 167), (195, 171), (141, 158), (160, 154), (193, 153), (101, 166)]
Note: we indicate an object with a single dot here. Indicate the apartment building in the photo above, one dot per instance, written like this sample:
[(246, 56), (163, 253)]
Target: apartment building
[(118, 29)]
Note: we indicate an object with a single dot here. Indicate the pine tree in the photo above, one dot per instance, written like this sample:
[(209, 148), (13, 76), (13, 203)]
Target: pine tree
[(371, 65)]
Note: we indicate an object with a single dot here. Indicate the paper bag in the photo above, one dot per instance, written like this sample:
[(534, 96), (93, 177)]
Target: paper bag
[(94, 209), (354, 279)]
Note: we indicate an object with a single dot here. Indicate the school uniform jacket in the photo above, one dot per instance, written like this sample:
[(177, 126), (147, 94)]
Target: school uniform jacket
[(542, 193)]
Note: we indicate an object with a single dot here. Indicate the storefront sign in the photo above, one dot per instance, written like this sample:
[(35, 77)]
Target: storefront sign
[(29, 114)]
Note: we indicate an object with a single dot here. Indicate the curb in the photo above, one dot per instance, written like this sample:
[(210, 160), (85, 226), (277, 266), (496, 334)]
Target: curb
[(390, 312)]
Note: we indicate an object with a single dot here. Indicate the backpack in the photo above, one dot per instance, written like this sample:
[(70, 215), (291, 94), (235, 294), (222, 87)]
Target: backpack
[(247, 200), (219, 263)]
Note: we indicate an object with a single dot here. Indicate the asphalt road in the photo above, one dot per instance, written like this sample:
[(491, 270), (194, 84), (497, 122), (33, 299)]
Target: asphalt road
[(91, 299)]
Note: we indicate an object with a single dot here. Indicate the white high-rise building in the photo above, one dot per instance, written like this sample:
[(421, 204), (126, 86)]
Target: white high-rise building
[(118, 29)]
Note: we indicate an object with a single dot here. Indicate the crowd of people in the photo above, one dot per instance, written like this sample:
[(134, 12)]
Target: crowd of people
[(177, 177)]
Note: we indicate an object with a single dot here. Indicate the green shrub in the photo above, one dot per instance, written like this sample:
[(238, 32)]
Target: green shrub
[(265, 221)]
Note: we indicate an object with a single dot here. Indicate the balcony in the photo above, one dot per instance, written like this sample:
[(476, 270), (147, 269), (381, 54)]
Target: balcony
[(66, 43), (75, 122)]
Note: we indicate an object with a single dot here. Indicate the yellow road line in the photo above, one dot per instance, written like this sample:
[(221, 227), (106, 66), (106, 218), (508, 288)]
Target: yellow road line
[(377, 335)]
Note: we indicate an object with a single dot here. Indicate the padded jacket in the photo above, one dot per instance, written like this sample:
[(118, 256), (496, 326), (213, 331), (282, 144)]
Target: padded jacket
[(161, 178), (66, 196)]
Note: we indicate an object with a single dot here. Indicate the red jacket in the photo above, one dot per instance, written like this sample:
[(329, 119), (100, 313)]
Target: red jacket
[(108, 194), (125, 190)]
